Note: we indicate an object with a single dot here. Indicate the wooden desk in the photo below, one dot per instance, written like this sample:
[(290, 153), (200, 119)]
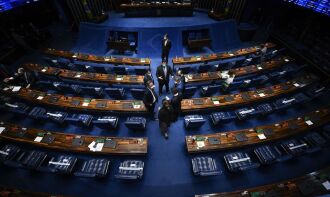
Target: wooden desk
[(85, 76), (198, 44), (99, 59), (248, 97), (76, 103), (289, 188), (279, 131), (64, 141), (214, 76), (216, 16), (218, 56), (142, 9)]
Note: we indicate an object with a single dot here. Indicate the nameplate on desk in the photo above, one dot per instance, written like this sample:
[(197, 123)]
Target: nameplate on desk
[(198, 101)]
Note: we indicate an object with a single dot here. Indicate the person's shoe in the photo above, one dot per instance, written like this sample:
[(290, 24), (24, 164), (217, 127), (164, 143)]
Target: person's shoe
[(166, 135)]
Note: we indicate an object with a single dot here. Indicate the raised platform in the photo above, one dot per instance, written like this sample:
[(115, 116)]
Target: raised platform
[(92, 37)]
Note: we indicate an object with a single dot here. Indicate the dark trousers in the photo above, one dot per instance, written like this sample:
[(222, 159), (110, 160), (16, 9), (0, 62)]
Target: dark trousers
[(151, 108), (165, 54), (163, 127), (161, 85)]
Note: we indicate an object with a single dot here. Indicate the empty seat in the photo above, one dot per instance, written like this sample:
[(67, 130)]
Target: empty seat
[(92, 91), (38, 113), (130, 169), (210, 89), (19, 108), (62, 164), (140, 71), (57, 116), (239, 161), (294, 147), (108, 122), (316, 90), (33, 159), (189, 91), (9, 152), (265, 108), (266, 154), (193, 121), (221, 117), (83, 119), (94, 168), (118, 93), (315, 141), (246, 112), (136, 123), (119, 70), (204, 68), (137, 93), (205, 166)]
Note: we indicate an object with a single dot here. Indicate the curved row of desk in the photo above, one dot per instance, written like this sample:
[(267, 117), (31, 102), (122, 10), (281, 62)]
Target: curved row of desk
[(312, 184), (85, 76), (219, 56), (98, 59), (243, 98), (259, 134), (252, 69), (76, 103), (73, 143)]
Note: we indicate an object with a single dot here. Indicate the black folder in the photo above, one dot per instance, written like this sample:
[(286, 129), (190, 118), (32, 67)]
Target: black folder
[(213, 140), (241, 137), (109, 143)]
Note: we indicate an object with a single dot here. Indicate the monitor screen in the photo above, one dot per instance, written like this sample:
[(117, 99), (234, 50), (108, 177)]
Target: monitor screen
[(322, 6), (6, 5)]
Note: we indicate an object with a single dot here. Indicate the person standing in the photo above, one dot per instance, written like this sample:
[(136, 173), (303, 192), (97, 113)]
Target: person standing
[(150, 98), (148, 77), (164, 117), (179, 81), (22, 77), (166, 47), (163, 75), (176, 103)]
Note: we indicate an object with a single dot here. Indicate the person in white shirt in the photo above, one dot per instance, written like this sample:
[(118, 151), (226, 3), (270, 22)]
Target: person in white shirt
[(228, 80)]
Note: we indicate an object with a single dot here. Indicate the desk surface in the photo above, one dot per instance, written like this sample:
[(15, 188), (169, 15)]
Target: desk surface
[(218, 56), (86, 76), (159, 5), (248, 97), (252, 69), (65, 141), (285, 188), (77, 103), (279, 131), (99, 59)]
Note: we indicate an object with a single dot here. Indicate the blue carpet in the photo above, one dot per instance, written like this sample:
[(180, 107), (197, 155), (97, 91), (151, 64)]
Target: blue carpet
[(92, 37)]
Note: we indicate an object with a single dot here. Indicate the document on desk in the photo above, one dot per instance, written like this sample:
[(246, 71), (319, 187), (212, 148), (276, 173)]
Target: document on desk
[(2, 129), (16, 88), (38, 139), (85, 104), (40, 97), (309, 123), (200, 144), (261, 136), (326, 185), (44, 70)]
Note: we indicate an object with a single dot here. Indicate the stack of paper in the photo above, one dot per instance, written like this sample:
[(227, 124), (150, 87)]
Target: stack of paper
[(16, 88), (2, 129), (261, 136), (40, 97), (38, 139), (309, 123), (85, 104), (200, 144), (97, 148)]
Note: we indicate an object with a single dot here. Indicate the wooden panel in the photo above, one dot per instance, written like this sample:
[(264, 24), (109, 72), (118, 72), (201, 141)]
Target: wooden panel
[(38, 97), (248, 97), (280, 130), (85, 76), (218, 56), (64, 141)]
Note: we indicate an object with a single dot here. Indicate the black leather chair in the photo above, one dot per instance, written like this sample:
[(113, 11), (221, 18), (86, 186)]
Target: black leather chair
[(205, 166), (136, 123), (38, 113), (81, 119), (315, 142), (295, 147), (239, 161), (62, 164), (137, 93), (16, 107), (193, 121), (266, 154), (130, 169), (222, 117), (108, 122), (94, 168), (33, 159), (117, 93), (189, 91), (9, 152)]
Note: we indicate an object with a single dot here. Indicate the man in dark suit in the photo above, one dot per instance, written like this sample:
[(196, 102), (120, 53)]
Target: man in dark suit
[(179, 81), (22, 77), (148, 77), (176, 103), (166, 46), (163, 75), (150, 98), (164, 116)]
